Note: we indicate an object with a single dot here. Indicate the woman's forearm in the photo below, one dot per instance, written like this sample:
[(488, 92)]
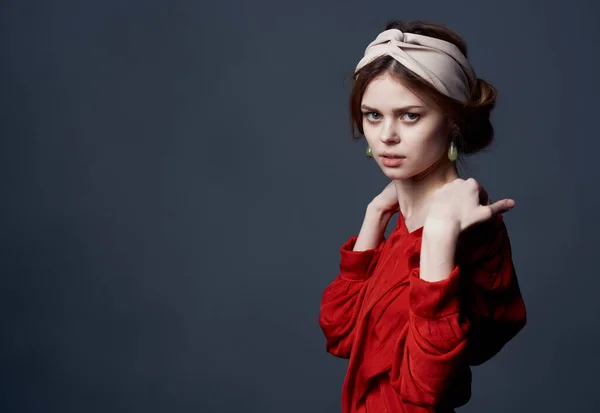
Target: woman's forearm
[(438, 248), (373, 229)]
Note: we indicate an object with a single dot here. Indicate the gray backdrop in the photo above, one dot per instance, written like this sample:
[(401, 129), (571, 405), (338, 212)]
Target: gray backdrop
[(178, 176)]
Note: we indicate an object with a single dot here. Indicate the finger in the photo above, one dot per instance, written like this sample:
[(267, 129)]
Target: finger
[(485, 212), (502, 206), (473, 182)]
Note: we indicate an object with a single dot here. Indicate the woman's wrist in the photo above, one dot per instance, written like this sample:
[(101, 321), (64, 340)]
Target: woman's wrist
[(378, 212), (373, 228), (442, 229), (438, 248)]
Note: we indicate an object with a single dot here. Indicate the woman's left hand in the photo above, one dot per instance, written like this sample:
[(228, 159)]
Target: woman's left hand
[(462, 203)]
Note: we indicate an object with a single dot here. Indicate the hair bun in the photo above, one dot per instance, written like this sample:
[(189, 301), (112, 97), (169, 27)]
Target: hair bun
[(478, 132)]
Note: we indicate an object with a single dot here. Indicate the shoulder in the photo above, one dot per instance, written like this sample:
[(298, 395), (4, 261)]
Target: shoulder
[(483, 241)]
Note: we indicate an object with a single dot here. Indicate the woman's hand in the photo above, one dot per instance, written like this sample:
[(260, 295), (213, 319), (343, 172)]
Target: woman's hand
[(379, 211), (462, 203), (387, 201), (455, 207)]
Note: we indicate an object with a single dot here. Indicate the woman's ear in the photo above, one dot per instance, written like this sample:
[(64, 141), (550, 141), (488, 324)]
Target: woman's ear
[(453, 130)]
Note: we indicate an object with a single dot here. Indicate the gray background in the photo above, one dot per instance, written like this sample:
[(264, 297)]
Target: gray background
[(178, 176)]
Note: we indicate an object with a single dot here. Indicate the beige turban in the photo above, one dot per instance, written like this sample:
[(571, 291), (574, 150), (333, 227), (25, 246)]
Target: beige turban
[(439, 62)]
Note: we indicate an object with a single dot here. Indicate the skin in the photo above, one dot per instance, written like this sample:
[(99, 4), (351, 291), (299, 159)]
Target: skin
[(425, 188)]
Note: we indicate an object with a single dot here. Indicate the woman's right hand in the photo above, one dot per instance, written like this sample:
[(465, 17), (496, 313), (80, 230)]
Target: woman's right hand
[(379, 212), (387, 201)]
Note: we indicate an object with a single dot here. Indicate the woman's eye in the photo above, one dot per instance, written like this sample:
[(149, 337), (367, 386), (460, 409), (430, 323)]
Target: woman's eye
[(411, 117), (372, 116)]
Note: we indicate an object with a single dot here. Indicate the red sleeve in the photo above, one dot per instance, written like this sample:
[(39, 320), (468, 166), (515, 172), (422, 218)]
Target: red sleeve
[(343, 297), (495, 304), (450, 321)]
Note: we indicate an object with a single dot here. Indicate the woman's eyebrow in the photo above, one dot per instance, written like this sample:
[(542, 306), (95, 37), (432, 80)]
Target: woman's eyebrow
[(396, 110)]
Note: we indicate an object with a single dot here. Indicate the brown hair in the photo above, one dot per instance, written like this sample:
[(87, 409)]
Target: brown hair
[(469, 122)]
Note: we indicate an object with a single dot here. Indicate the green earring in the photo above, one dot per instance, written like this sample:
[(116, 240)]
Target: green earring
[(452, 151), (369, 152)]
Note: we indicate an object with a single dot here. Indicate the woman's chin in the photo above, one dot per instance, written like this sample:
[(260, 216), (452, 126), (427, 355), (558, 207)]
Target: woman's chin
[(395, 174)]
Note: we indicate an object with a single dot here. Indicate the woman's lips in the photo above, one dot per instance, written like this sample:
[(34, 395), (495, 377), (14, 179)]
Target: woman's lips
[(392, 160)]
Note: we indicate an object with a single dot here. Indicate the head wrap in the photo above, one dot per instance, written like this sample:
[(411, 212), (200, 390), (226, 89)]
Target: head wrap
[(437, 61)]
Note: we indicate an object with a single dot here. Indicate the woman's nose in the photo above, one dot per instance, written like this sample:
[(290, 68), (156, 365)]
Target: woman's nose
[(388, 133)]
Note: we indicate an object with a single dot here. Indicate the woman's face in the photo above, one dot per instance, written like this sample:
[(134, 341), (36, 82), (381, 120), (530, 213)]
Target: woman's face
[(407, 136)]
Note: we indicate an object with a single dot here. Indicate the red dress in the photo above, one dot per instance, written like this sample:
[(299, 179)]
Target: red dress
[(411, 342)]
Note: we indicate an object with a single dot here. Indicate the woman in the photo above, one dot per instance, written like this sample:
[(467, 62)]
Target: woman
[(414, 311)]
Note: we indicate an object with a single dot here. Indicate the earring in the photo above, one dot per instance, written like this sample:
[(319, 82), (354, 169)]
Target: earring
[(452, 151), (369, 152)]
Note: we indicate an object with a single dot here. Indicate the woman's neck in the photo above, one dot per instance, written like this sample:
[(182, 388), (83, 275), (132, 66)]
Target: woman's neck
[(414, 194)]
